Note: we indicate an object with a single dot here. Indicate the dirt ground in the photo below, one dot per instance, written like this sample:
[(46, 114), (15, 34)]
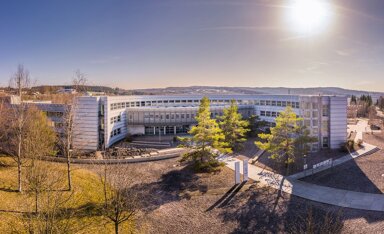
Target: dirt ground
[(176, 200)]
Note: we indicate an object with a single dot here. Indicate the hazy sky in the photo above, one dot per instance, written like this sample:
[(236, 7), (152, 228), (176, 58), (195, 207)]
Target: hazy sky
[(159, 43)]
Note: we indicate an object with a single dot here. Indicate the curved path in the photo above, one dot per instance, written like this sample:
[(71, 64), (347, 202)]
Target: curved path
[(161, 155), (323, 194)]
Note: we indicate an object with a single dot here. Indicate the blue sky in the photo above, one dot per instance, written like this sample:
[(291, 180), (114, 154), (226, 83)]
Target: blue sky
[(160, 43)]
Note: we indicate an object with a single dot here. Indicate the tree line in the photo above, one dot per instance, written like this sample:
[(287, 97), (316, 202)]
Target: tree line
[(27, 136), (286, 142)]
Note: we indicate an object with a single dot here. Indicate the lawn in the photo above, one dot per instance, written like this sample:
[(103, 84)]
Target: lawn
[(80, 209)]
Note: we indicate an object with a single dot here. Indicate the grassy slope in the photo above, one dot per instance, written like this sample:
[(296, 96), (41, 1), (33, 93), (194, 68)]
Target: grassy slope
[(87, 195)]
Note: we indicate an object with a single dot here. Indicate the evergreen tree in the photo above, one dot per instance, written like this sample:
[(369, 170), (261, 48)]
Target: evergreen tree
[(255, 125), (207, 140), (233, 126), (288, 140)]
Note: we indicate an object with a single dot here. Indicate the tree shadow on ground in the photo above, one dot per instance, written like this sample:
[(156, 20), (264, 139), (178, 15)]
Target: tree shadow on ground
[(168, 188), (265, 210)]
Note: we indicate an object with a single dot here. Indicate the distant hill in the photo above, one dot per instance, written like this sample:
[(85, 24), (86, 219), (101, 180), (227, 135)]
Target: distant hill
[(215, 90), (258, 90)]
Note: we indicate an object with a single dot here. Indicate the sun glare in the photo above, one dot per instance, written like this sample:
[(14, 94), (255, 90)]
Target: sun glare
[(309, 17)]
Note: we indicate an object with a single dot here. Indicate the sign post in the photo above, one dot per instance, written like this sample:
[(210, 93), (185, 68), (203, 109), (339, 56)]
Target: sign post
[(237, 172), (245, 170)]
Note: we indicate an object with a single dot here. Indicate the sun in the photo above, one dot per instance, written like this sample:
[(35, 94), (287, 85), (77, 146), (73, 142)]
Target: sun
[(308, 17)]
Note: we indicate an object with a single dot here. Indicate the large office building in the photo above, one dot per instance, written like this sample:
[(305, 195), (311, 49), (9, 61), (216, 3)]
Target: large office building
[(104, 120)]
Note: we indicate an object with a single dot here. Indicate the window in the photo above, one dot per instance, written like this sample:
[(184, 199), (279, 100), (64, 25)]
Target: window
[(307, 114), (116, 119), (278, 103), (325, 110), (262, 103), (324, 125), (262, 113), (325, 142), (315, 147), (115, 132), (273, 103)]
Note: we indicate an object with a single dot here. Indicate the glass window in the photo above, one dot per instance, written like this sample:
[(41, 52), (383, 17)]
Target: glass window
[(325, 142)]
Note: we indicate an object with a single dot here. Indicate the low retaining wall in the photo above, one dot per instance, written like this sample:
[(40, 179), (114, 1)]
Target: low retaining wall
[(116, 161)]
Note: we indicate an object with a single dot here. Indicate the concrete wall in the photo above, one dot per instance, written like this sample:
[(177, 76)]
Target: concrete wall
[(86, 122), (136, 130), (338, 121)]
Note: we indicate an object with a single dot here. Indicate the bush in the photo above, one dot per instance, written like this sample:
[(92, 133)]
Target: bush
[(207, 167), (360, 143), (202, 161), (347, 146), (129, 138)]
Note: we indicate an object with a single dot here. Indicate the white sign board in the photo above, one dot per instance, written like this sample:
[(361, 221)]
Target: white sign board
[(245, 170), (323, 163), (237, 172), (305, 166)]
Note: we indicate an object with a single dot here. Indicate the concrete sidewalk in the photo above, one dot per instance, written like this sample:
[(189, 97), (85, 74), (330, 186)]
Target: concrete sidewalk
[(327, 195)]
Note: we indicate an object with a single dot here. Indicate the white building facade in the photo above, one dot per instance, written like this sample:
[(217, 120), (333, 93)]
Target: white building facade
[(104, 120)]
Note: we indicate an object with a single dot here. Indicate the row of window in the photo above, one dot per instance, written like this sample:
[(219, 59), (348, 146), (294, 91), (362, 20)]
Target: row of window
[(277, 103), (116, 119), (115, 132), (269, 113), (54, 114), (122, 105), (167, 116)]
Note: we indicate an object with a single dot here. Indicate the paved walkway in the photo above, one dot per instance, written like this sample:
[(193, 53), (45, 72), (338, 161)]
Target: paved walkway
[(332, 196)]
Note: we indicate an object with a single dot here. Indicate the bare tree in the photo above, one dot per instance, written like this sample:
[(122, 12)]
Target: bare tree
[(79, 81), (16, 115), (31, 137), (66, 138), (52, 212), (120, 201), (67, 133)]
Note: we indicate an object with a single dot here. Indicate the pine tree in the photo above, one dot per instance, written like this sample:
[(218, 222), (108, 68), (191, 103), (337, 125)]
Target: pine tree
[(288, 140), (207, 140), (233, 126)]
